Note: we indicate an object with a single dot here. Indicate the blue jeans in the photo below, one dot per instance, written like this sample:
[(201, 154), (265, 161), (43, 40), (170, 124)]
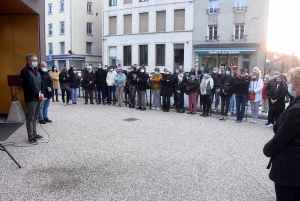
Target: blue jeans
[(180, 99), (111, 92), (241, 100), (44, 109), (231, 106), (215, 94), (73, 93), (101, 88)]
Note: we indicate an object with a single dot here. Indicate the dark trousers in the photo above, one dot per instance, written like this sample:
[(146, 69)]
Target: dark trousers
[(101, 91), (241, 100), (180, 99), (166, 102), (63, 95), (111, 94), (270, 112), (88, 94), (287, 193), (225, 105), (206, 103), (175, 98), (54, 91), (33, 110), (277, 113)]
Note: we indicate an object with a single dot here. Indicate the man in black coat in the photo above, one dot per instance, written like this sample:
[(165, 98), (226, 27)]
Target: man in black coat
[(180, 86), (132, 79), (141, 87), (31, 82), (89, 79), (100, 83)]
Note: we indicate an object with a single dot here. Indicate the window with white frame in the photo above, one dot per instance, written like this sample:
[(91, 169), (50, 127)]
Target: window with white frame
[(212, 33), (240, 6), (49, 29), (50, 48), (89, 48), (89, 28), (89, 7), (112, 2), (50, 8), (213, 6), (62, 27), (239, 31), (62, 47), (61, 6)]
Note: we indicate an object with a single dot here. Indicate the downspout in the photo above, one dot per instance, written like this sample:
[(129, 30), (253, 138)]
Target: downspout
[(102, 37), (71, 38)]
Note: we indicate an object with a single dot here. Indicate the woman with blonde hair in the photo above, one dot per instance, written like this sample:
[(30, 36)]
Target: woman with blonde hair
[(284, 147), (54, 75), (256, 85)]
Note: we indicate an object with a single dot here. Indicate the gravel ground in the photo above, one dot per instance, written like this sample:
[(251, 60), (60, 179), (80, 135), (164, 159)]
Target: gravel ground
[(91, 153)]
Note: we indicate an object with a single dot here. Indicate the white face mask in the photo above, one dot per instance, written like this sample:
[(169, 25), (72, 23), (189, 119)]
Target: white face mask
[(142, 71), (44, 69), (291, 92)]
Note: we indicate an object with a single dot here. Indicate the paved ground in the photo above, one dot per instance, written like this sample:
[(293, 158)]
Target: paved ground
[(93, 154)]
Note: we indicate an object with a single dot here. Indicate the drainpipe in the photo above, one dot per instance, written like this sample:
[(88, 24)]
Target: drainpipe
[(71, 38)]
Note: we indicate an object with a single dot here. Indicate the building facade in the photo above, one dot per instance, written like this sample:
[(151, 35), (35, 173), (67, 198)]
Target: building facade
[(73, 33), (152, 33), (230, 33)]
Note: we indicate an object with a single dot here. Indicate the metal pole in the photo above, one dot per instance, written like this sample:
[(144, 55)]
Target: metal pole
[(150, 99), (3, 149)]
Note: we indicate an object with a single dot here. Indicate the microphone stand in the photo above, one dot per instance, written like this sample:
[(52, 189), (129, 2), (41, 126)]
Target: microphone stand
[(2, 148)]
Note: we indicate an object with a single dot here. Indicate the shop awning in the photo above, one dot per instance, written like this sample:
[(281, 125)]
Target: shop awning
[(225, 50)]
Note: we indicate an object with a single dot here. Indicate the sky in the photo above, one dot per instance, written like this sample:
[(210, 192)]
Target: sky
[(284, 26)]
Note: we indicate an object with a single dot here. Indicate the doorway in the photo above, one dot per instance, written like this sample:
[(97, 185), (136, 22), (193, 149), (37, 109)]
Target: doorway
[(178, 55), (112, 61)]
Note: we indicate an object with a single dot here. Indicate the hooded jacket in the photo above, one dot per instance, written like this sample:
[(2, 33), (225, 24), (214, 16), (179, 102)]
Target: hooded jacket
[(242, 84)]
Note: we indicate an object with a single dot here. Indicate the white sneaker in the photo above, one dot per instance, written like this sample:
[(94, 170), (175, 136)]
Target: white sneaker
[(270, 126), (65, 104), (153, 108), (229, 113), (252, 121), (157, 108)]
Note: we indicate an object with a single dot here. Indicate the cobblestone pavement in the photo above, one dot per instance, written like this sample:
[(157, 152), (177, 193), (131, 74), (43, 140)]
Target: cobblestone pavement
[(94, 154)]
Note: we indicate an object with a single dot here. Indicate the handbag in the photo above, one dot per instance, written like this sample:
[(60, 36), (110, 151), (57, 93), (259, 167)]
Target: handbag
[(149, 84), (251, 96), (64, 86)]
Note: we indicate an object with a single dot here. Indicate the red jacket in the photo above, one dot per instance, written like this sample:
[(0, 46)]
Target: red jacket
[(264, 94)]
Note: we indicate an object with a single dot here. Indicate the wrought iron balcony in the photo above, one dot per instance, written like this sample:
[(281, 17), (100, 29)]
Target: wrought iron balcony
[(239, 37), (240, 9), (211, 38), (212, 11)]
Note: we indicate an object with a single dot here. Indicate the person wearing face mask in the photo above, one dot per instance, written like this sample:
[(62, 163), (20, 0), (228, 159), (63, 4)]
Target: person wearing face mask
[(31, 83), (64, 81), (265, 101), (74, 85), (279, 93), (46, 89), (132, 79), (269, 91), (284, 147), (110, 80), (167, 82), (156, 88), (89, 79), (141, 87), (241, 83), (255, 86), (175, 104), (207, 84), (54, 75), (120, 83), (100, 83), (192, 87), (180, 87), (226, 88)]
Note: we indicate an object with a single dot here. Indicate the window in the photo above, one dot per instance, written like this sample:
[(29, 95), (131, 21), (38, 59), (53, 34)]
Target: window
[(212, 33), (179, 19), (61, 6), (127, 1), (240, 6), (143, 22), (89, 7), (160, 55), (213, 7), (62, 47), (89, 48), (161, 21), (144, 55), (50, 8), (127, 24), (49, 29), (112, 2), (127, 56), (112, 25), (50, 48), (239, 32), (89, 28), (62, 27), (143, 0)]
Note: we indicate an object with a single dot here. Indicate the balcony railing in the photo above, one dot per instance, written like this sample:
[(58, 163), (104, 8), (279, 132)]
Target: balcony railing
[(240, 9), (212, 11), (211, 38), (239, 37)]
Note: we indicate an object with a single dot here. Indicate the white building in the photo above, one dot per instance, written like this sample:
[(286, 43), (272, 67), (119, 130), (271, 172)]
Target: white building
[(153, 33), (73, 32)]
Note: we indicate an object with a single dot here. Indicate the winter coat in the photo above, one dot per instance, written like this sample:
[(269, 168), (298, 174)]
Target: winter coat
[(270, 86), (142, 79), (156, 81), (45, 83), (284, 147), (64, 78), (242, 84), (180, 86), (120, 80), (31, 83), (192, 85), (264, 91), (101, 76), (226, 83), (206, 85), (55, 79), (256, 86), (87, 78), (279, 95), (216, 78), (74, 80), (110, 78), (131, 77), (167, 82)]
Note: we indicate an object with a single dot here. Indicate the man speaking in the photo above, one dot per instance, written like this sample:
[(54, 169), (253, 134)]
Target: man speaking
[(31, 81)]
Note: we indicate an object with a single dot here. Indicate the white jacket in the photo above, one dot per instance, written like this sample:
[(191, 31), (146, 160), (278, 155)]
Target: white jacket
[(204, 91), (110, 78), (257, 87)]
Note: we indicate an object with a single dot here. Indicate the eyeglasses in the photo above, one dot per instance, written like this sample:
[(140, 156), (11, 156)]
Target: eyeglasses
[(32, 60)]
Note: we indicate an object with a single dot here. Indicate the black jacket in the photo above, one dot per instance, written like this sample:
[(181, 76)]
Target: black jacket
[(31, 82), (270, 86), (63, 78), (45, 83), (216, 78), (131, 76), (226, 83), (87, 78), (180, 86), (279, 95), (74, 80), (100, 76), (167, 86), (142, 81), (242, 84), (193, 85), (284, 147)]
